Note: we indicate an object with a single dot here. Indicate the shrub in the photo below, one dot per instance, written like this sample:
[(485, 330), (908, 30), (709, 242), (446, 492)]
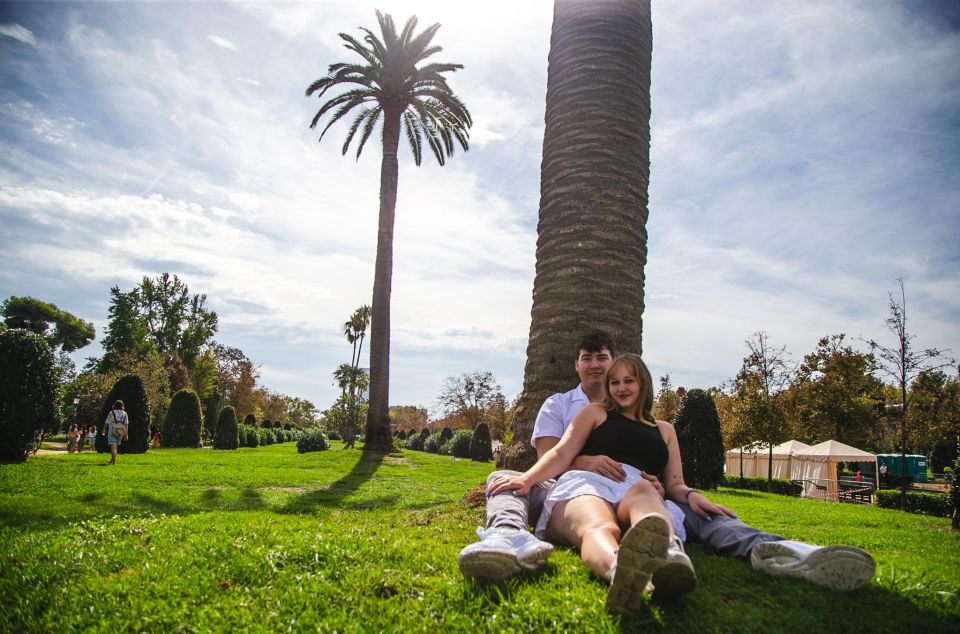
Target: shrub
[(414, 442), (250, 419), (211, 413), (458, 445), (780, 486), (266, 422), (935, 504), (424, 433), (277, 425), (445, 434), (182, 426), (28, 393), (130, 390), (701, 443), (266, 436), (433, 443), (227, 434), (954, 480), (312, 439), (253, 438), (402, 435), (481, 447)]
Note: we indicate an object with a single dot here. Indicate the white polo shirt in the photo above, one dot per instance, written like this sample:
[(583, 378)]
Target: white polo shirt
[(557, 412)]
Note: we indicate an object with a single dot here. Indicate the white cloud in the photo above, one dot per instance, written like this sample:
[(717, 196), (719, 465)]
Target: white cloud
[(222, 42), (18, 33)]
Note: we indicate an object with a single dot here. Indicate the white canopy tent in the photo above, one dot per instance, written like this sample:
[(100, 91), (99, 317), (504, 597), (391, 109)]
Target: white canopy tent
[(817, 467), (756, 460)]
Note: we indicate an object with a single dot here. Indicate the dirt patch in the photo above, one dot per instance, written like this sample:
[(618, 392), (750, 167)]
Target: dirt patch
[(284, 489), (476, 496), (395, 460)]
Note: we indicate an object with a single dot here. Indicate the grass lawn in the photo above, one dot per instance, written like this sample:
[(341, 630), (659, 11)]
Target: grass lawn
[(269, 540)]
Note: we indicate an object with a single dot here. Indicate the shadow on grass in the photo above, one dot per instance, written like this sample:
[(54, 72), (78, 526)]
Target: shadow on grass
[(335, 494)]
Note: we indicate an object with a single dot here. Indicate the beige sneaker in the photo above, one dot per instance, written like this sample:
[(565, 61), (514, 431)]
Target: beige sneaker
[(840, 568), (643, 550), (677, 575)]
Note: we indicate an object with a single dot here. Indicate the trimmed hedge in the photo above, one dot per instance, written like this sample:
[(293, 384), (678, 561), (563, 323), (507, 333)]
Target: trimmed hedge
[(227, 435), (481, 447), (312, 439), (184, 422), (780, 487), (934, 504), (28, 393), (701, 443)]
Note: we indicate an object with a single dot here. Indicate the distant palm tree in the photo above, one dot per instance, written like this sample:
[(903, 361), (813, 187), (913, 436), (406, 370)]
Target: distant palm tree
[(591, 238), (389, 84)]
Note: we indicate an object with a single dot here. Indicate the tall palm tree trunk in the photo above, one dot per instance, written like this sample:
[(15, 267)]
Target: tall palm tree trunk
[(592, 240), (378, 437)]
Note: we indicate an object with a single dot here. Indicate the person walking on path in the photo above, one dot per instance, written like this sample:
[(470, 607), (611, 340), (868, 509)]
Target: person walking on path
[(117, 416)]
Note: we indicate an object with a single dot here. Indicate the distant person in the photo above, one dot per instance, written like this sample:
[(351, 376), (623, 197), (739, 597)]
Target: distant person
[(156, 439), (117, 416), (72, 437), (81, 438), (92, 435), (883, 475)]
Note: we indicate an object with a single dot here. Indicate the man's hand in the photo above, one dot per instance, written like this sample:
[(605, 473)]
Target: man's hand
[(602, 465), (501, 484), (703, 507), (655, 481)]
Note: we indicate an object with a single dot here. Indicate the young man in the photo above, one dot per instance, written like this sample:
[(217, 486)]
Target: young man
[(507, 548)]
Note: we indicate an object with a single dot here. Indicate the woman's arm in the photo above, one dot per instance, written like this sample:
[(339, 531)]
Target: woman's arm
[(558, 458), (676, 488)]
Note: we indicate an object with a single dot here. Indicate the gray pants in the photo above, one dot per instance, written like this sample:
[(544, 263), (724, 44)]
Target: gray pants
[(726, 535)]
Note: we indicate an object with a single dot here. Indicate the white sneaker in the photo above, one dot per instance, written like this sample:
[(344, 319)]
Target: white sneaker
[(502, 553), (677, 575), (839, 568), (643, 550)]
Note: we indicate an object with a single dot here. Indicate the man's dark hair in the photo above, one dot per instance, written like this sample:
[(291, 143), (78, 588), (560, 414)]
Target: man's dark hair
[(595, 341)]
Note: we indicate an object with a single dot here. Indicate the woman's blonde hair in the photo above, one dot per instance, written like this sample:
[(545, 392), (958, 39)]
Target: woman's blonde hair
[(643, 408)]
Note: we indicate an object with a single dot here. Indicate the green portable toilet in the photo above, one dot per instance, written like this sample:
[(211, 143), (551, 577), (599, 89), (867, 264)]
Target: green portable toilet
[(917, 467)]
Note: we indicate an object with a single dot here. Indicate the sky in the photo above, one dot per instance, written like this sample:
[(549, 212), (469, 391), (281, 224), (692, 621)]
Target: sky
[(804, 157)]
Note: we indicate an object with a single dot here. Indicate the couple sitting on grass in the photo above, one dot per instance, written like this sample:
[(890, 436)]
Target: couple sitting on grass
[(621, 498)]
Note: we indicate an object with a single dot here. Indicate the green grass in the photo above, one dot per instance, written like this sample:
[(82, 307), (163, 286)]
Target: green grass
[(267, 540)]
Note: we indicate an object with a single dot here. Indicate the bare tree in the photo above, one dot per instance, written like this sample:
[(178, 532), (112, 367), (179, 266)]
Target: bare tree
[(469, 394), (903, 363)]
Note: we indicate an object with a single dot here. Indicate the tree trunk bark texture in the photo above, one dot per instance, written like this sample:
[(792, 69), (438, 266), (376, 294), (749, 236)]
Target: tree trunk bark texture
[(378, 437), (592, 240)]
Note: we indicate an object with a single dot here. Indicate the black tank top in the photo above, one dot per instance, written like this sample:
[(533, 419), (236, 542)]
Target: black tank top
[(628, 442)]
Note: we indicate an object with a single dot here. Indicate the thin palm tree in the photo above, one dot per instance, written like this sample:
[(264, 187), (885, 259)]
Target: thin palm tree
[(360, 321), (388, 84), (592, 239)]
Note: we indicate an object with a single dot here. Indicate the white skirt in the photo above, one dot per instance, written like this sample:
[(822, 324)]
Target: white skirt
[(576, 483)]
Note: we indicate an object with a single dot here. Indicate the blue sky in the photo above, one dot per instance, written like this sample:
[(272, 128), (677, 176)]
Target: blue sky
[(804, 156)]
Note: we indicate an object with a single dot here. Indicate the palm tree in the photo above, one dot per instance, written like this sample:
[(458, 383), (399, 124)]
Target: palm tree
[(359, 322), (591, 246), (389, 84)]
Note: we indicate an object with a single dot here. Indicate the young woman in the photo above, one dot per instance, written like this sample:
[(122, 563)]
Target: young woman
[(587, 510), (117, 416)]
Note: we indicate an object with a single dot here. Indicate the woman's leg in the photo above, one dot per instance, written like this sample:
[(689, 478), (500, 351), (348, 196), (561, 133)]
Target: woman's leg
[(589, 523), (113, 454), (639, 500)]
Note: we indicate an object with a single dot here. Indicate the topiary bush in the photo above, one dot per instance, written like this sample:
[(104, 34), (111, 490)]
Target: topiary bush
[(481, 446), (227, 433), (424, 433), (458, 445), (445, 434), (28, 393), (128, 389), (266, 436), (433, 443), (312, 439), (266, 422), (211, 413), (701, 442), (402, 435), (250, 419), (183, 424), (252, 437)]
